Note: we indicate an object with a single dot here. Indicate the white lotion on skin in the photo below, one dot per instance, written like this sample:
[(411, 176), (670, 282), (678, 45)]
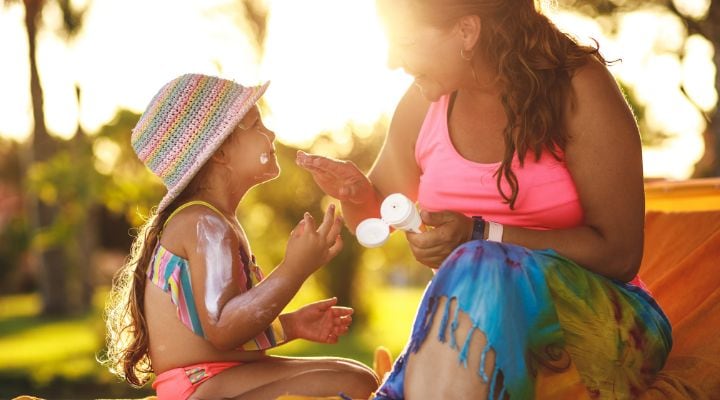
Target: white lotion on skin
[(213, 245), (264, 158)]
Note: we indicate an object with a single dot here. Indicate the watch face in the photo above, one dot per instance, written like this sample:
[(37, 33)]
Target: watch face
[(478, 232)]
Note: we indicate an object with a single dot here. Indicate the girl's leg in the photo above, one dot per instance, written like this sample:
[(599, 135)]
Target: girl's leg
[(436, 362), (276, 376)]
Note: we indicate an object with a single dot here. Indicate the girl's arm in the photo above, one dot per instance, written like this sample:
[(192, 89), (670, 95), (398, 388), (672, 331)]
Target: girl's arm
[(230, 318)]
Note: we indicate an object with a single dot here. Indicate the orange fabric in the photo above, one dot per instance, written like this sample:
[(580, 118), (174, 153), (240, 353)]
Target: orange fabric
[(681, 266), (686, 195)]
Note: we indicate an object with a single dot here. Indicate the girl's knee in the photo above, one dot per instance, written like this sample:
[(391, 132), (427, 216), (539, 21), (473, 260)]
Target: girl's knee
[(358, 379), (360, 382)]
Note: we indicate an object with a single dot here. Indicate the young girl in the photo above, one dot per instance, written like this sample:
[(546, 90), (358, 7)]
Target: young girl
[(190, 305)]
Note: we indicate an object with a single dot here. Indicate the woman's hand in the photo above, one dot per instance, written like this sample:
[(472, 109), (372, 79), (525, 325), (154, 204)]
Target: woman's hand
[(308, 247), (450, 230), (321, 322), (337, 178)]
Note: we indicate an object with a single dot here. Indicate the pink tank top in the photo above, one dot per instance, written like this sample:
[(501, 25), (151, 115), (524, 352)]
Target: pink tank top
[(547, 198)]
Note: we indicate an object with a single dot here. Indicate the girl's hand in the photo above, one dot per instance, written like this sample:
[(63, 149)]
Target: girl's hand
[(450, 230), (337, 178), (321, 322), (308, 247)]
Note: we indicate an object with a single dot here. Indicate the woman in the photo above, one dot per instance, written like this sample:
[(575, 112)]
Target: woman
[(526, 159)]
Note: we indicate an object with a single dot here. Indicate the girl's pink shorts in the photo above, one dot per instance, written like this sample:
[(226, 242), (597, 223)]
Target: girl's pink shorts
[(180, 383)]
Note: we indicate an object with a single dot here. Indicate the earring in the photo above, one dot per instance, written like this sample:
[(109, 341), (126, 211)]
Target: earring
[(466, 57)]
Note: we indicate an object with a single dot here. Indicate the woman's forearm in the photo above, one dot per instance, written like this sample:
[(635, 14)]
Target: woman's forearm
[(354, 213), (613, 257)]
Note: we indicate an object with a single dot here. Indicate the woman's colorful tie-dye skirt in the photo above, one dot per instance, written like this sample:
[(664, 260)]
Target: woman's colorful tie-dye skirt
[(553, 325)]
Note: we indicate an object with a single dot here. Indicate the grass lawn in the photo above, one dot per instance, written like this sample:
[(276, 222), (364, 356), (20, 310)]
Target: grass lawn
[(56, 358)]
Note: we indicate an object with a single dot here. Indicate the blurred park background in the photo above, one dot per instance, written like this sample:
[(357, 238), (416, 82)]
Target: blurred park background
[(75, 75)]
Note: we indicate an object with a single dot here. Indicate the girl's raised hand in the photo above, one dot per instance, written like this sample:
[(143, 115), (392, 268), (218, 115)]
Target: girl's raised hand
[(321, 322), (337, 178), (310, 247)]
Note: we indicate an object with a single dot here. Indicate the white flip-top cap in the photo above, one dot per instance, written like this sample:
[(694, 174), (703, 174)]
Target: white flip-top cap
[(372, 232), (396, 210)]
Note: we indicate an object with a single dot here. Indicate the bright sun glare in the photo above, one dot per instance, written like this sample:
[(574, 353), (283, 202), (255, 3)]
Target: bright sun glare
[(326, 61)]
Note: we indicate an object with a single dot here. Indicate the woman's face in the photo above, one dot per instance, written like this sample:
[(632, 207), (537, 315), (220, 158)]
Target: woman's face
[(429, 54), (250, 149)]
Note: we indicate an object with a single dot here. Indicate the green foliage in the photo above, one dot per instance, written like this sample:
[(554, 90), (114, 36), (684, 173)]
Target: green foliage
[(56, 358), (53, 357), (68, 181), (14, 229), (131, 190), (14, 244)]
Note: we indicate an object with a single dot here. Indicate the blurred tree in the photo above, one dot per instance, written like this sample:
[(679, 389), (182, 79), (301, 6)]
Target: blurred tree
[(52, 258), (14, 235), (700, 17)]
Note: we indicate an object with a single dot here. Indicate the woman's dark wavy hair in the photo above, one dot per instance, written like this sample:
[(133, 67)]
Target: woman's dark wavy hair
[(534, 62)]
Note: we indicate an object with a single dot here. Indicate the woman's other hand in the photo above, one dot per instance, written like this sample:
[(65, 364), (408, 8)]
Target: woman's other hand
[(340, 179), (449, 230), (309, 248), (321, 321)]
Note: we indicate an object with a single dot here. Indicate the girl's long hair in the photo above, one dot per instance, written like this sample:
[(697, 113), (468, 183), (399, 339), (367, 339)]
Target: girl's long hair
[(534, 62), (127, 338)]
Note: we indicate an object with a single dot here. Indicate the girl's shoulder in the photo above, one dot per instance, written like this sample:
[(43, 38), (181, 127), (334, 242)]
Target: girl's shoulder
[(184, 228)]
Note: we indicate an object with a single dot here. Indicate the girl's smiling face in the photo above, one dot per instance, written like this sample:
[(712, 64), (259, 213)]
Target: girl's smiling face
[(250, 149)]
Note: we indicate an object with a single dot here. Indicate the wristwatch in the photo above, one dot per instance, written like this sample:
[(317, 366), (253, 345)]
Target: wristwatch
[(478, 232)]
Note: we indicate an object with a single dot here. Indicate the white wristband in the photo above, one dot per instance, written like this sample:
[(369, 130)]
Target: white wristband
[(495, 232)]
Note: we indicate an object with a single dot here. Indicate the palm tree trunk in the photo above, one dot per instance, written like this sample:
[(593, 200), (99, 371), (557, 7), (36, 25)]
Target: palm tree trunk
[(50, 260)]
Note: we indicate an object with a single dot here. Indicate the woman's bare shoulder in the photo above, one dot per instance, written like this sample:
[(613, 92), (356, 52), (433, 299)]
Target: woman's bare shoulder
[(593, 78), (409, 113)]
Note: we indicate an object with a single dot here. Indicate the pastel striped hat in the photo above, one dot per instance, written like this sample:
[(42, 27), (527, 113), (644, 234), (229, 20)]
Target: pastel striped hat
[(185, 123)]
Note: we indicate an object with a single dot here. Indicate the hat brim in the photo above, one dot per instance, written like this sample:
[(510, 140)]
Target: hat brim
[(243, 105)]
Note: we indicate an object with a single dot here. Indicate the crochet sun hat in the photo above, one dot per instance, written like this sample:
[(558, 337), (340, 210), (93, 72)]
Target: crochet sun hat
[(185, 123)]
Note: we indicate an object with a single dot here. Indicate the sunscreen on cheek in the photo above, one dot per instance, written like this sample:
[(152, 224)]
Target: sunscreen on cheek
[(264, 159), (213, 246)]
